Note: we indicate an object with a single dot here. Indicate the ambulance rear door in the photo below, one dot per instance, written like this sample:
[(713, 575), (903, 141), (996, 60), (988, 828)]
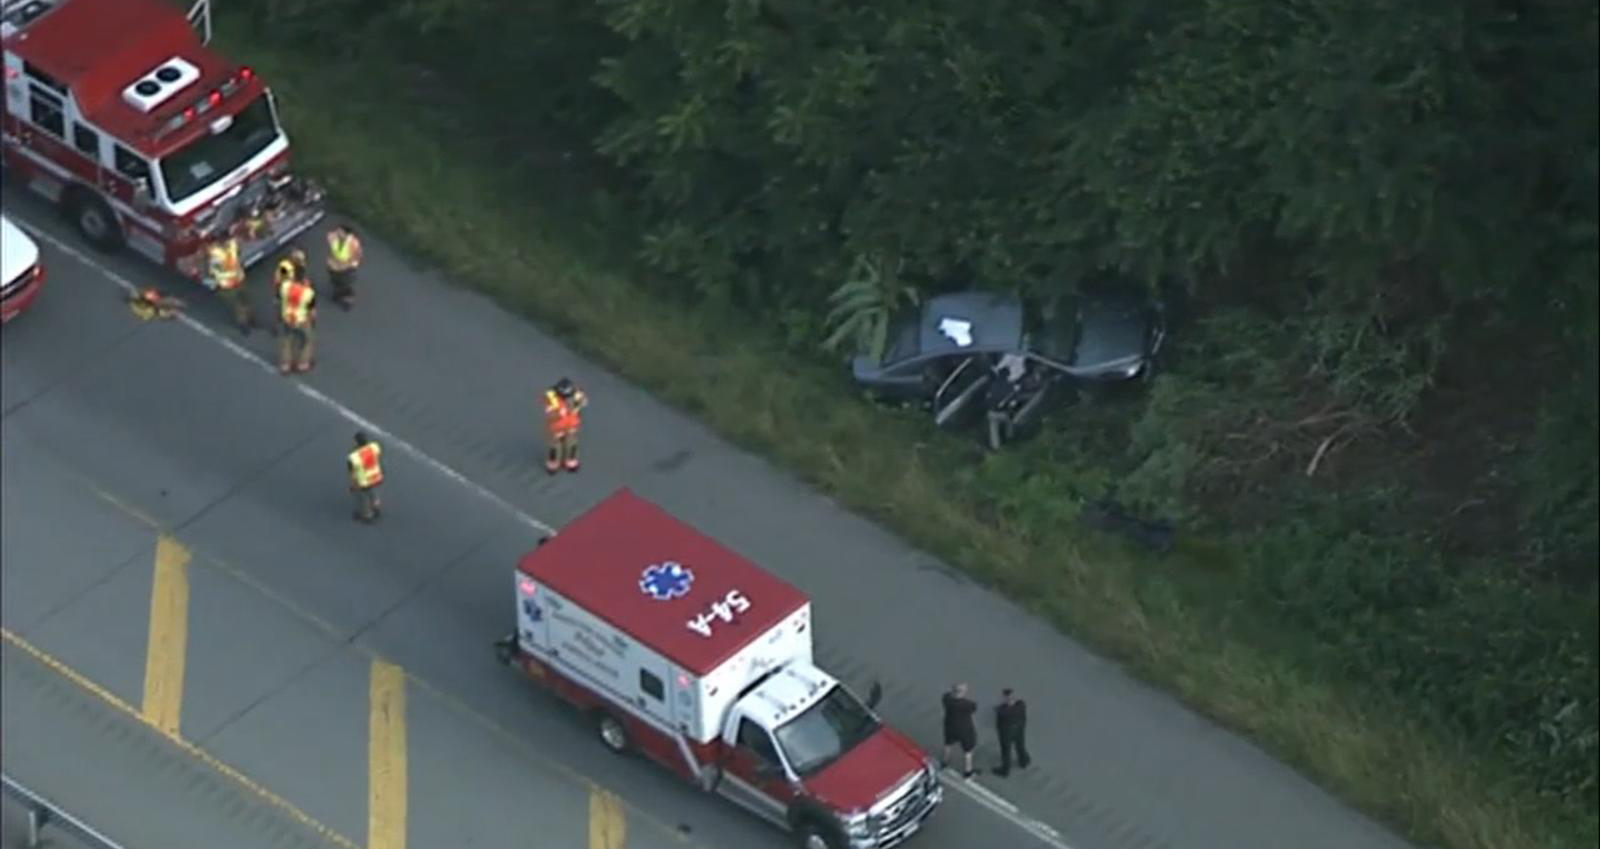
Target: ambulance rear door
[(533, 623)]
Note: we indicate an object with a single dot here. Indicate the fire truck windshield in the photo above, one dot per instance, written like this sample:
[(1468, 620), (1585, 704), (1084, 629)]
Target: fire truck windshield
[(212, 157), (825, 732)]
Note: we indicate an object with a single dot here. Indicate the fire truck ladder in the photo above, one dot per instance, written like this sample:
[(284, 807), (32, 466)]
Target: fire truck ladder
[(200, 18)]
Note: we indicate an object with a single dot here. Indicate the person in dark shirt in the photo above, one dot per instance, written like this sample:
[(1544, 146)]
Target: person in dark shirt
[(959, 727), (1011, 726)]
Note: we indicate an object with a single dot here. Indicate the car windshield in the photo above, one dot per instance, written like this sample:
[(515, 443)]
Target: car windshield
[(210, 158), (826, 731)]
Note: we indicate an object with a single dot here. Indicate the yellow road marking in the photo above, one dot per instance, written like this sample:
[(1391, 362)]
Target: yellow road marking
[(185, 746), (169, 636), (608, 826), (518, 742), (386, 754)]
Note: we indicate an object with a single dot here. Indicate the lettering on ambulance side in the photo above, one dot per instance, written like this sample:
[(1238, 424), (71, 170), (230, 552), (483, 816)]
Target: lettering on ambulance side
[(724, 610)]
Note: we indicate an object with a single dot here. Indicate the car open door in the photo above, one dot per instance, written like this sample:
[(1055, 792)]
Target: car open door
[(961, 390)]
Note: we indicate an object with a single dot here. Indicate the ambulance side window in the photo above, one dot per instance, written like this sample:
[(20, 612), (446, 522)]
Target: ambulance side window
[(129, 164), (652, 685), (755, 738), (36, 74), (45, 110)]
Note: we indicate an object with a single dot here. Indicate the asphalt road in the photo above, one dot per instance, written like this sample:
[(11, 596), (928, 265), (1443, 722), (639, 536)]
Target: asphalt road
[(116, 432)]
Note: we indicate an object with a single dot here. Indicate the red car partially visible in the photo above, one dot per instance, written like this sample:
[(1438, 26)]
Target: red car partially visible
[(21, 271)]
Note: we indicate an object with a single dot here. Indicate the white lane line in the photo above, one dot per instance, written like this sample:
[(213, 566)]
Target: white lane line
[(305, 389), (1004, 809), (983, 796)]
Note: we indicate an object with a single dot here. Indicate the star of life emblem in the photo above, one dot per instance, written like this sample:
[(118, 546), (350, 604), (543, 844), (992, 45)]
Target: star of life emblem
[(957, 330), (666, 581)]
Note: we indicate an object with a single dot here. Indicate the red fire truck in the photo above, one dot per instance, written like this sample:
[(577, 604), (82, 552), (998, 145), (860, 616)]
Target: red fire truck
[(683, 651), (119, 112)]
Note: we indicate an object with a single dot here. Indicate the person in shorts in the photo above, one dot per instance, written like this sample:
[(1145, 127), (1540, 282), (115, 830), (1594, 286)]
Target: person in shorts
[(960, 727)]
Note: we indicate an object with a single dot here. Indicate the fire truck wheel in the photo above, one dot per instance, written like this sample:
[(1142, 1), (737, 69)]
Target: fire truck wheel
[(95, 220), (612, 733)]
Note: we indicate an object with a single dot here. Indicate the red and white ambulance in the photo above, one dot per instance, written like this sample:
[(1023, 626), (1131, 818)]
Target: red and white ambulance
[(117, 111), (685, 652)]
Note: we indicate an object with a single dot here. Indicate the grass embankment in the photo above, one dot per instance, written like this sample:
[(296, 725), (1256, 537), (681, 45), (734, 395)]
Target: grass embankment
[(423, 182)]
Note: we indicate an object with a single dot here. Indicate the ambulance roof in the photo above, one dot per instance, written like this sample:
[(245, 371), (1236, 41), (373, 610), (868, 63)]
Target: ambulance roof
[(97, 48), (615, 562)]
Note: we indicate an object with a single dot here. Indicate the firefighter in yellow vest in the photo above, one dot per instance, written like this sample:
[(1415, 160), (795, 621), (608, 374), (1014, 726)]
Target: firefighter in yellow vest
[(563, 405), (291, 267), (297, 310), (226, 272), (366, 473), (344, 257)]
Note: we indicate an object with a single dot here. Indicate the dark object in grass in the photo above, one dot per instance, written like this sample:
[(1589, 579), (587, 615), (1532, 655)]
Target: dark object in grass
[(1152, 534)]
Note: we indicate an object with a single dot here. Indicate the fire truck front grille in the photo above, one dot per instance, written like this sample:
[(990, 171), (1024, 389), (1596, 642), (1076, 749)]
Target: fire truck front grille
[(251, 196)]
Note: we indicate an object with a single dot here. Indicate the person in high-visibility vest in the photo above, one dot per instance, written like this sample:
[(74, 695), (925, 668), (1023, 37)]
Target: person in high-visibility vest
[(365, 475), (297, 310), (344, 257), (291, 267), (563, 405), (227, 277)]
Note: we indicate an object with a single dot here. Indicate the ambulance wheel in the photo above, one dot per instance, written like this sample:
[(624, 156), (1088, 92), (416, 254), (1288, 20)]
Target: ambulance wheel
[(813, 835), (613, 735), (94, 219)]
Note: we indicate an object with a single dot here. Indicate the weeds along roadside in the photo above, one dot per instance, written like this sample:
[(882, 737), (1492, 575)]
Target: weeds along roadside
[(421, 185)]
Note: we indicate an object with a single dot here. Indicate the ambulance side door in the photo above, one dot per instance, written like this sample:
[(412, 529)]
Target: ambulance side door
[(753, 773), (652, 692)]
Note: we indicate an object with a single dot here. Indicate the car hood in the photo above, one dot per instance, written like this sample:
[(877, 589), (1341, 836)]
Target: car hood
[(1106, 333), (878, 764), (18, 253)]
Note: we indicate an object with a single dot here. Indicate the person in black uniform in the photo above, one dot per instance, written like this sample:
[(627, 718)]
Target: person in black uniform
[(1011, 726), (959, 727)]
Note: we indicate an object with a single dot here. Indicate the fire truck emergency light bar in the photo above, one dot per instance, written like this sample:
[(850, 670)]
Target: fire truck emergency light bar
[(209, 102)]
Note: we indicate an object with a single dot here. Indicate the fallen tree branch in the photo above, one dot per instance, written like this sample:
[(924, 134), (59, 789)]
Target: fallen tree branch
[(1322, 451), (1347, 433)]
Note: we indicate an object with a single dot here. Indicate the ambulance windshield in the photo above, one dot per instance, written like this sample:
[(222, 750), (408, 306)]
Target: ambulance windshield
[(212, 157), (827, 730)]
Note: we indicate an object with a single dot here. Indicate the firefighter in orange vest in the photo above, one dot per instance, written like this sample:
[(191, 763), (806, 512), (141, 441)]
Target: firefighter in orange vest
[(227, 277), (297, 310), (365, 475), (563, 404), (344, 257)]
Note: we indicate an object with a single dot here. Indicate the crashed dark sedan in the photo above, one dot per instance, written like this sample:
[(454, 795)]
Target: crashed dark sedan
[(975, 354)]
